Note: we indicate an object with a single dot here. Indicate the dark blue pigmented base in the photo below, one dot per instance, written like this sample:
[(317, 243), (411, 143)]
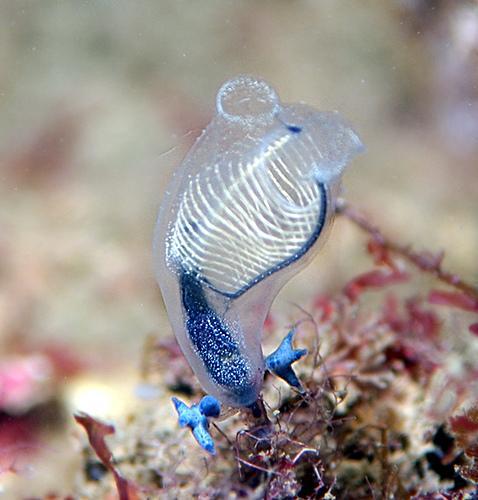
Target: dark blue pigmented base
[(214, 342)]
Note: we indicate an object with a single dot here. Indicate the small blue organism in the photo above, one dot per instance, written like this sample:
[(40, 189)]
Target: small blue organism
[(248, 207), (280, 361), (196, 418)]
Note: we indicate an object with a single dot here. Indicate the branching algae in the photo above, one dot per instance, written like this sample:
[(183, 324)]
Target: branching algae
[(248, 207)]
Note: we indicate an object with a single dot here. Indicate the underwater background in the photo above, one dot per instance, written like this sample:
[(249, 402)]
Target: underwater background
[(99, 101)]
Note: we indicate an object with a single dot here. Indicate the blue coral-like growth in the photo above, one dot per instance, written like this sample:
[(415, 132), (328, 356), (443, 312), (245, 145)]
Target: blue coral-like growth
[(280, 361), (196, 418)]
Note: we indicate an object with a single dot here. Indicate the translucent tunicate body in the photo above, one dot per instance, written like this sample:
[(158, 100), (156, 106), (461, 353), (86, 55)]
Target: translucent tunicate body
[(247, 208)]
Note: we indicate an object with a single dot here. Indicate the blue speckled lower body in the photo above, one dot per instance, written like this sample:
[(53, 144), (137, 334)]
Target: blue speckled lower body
[(213, 341)]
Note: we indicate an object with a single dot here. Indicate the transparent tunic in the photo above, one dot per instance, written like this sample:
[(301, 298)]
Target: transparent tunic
[(248, 207)]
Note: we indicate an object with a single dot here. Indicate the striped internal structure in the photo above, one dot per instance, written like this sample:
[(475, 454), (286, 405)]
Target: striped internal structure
[(239, 222)]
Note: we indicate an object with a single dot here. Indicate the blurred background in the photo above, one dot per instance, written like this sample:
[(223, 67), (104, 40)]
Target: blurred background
[(99, 101)]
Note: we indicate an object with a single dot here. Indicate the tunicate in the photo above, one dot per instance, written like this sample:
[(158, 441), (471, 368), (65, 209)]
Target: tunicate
[(247, 208)]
